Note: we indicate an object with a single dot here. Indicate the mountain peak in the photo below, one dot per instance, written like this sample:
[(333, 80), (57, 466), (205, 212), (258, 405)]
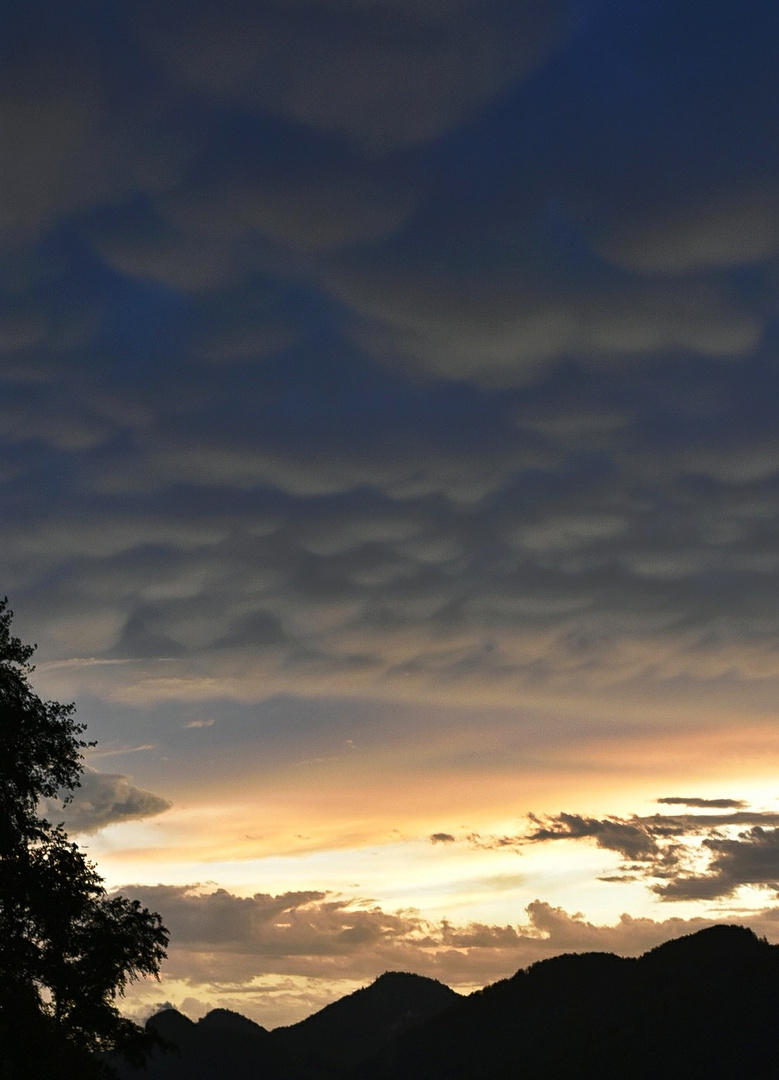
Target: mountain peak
[(364, 1022), (229, 1020), (170, 1023), (724, 943), (406, 978)]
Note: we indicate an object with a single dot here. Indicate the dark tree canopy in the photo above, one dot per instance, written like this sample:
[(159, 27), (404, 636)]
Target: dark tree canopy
[(67, 948)]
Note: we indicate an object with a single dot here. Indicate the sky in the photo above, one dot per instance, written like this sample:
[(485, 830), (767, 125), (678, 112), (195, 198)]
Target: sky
[(389, 471)]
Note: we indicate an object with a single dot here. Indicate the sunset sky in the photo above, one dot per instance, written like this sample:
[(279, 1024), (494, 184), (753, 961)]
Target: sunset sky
[(389, 470)]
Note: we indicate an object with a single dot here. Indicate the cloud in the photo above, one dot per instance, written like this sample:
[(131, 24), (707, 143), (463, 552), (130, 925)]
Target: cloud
[(734, 229), (746, 461), (223, 944), (441, 838), (751, 858), (679, 857), (505, 329), (712, 804), (633, 840), (292, 414), (65, 425), (567, 531), (574, 423), (65, 150), (166, 256), (401, 464), (224, 938), (105, 534), (242, 244), (104, 799), (345, 348), (384, 74), (344, 202), (411, 563)]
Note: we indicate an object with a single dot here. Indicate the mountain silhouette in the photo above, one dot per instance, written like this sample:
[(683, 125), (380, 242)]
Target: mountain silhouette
[(700, 1007), (224, 1045), (359, 1025)]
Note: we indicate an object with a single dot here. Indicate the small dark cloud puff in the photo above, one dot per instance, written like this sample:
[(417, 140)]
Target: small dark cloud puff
[(105, 799), (694, 801), (441, 838)]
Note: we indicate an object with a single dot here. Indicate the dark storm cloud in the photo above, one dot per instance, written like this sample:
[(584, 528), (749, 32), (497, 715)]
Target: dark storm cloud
[(413, 345), (105, 799)]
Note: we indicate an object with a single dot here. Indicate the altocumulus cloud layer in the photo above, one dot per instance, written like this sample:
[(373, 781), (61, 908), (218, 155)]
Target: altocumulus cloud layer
[(395, 354), (385, 345)]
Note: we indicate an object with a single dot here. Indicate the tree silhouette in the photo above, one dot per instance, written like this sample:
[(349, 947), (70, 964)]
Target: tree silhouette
[(67, 948)]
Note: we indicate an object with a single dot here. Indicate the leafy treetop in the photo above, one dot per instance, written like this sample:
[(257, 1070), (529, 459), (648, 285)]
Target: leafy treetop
[(67, 948)]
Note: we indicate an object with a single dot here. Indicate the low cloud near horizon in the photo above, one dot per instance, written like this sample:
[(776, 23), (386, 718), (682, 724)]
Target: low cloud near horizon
[(230, 948)]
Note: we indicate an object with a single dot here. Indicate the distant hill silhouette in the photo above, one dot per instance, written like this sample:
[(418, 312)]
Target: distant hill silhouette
[(701, 1007), (226, 1046), (223, 1044), (362, 1024)]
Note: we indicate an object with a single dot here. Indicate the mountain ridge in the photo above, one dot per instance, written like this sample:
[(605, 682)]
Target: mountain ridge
[(224, 1045), (703, 1006)]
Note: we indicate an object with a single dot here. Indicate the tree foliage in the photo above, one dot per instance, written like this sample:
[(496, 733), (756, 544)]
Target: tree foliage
[(67, 948)]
